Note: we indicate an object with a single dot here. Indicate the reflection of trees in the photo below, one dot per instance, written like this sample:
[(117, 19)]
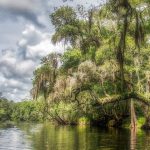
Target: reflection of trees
[(143, 140), (139, 139), (133, 139), (55, 138), (50, 137)]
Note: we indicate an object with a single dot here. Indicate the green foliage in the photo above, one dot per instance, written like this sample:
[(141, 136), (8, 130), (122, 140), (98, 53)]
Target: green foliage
[(71, 58), (63, 16), (66, 25), (108, 54), (64, 113), (104, 53), (21, 111), (84, 121), (140, 121), (27, 111), (6, 109)]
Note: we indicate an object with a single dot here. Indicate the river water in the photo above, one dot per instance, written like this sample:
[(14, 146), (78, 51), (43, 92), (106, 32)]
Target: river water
[(27, 136)]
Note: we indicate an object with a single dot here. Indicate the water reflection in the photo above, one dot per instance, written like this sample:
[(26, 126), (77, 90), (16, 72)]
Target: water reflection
[(14, 139), (50, 137), (133, 139)]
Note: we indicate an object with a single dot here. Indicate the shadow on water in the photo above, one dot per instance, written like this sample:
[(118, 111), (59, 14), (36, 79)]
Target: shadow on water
[(51, 137)]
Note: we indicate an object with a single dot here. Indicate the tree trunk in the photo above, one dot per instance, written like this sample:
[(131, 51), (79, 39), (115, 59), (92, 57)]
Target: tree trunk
[(133, 116)]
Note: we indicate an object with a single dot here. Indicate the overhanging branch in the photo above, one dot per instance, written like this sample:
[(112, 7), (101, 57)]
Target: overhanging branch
[(126, 96)]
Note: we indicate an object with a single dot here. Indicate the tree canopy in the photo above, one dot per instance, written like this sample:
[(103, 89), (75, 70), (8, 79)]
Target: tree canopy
[(107, 61)]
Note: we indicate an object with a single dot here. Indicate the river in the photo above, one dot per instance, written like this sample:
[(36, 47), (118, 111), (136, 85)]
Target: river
[(28, 136)]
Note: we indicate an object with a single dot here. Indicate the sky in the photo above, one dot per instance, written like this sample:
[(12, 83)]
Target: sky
[(25, 37)]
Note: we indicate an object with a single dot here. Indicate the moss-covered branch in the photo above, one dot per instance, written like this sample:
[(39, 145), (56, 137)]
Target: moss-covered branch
[(126, 96)]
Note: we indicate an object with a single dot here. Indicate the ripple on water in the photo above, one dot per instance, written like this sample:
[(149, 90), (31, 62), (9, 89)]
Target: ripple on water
[(13, 139)]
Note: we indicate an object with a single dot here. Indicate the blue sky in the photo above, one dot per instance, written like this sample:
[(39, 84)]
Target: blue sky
[(25, 32)]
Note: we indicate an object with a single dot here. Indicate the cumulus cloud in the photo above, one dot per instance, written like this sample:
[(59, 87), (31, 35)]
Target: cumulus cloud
[(35, 44), (17, 65), (28, 9), (35, 10)]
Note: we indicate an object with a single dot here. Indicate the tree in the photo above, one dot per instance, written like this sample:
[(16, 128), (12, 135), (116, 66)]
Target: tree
[(106, 62)]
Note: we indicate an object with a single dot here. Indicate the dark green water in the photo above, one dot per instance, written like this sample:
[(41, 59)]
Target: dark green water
[(50, 137)]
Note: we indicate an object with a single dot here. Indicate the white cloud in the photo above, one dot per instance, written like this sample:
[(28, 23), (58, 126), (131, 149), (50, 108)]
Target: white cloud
[(25, 67), (17, 66), (43, 48), (36, 44), (30, 36), (17, 4), (27, 9)]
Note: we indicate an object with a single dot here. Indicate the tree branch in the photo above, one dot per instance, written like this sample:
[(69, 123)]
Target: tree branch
[(126, 96)]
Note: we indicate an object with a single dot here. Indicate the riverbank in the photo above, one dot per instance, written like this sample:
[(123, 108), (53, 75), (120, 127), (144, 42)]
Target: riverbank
[(61, 114), (83, 122)]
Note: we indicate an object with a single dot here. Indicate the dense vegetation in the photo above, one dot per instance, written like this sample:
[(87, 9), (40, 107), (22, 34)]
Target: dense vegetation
[(105, 66), (21, 111)]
